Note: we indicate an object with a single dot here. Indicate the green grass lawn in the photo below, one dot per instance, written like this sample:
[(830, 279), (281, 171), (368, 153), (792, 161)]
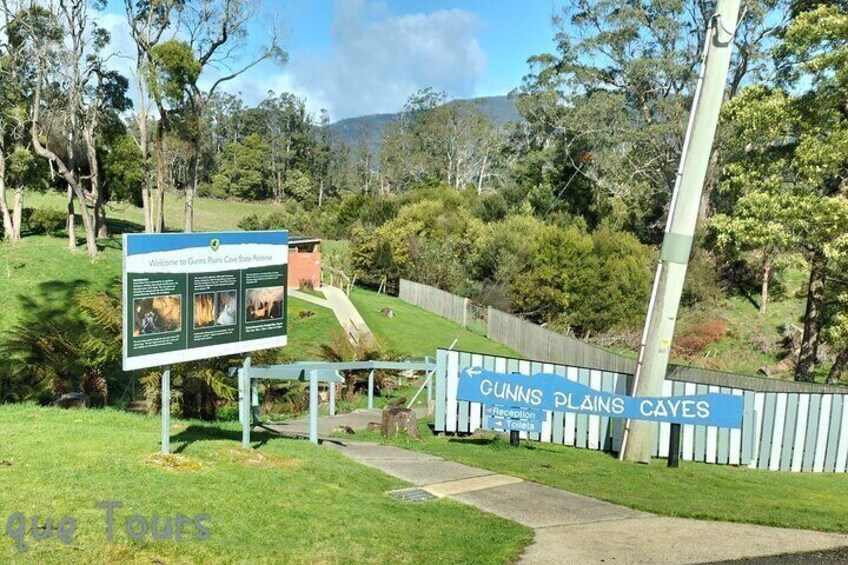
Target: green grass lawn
[(210, 214), (41, 265), (694, 490), (306, 334), (287, 501), (414, 331)]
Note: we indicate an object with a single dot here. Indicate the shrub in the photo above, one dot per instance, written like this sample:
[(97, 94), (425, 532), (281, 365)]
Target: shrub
[(288, 216), (48, 221), (251, 222), (228, 412), (436, 263), (492, 208), (589, 283)]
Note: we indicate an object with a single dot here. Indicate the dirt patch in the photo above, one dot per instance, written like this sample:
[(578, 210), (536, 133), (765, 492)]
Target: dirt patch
[(255, 458), (698, 337), (172, 462)]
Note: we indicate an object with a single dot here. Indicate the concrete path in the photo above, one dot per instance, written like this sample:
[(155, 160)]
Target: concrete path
[(357, 420), (571, 528), (347, 314), (306, 297)]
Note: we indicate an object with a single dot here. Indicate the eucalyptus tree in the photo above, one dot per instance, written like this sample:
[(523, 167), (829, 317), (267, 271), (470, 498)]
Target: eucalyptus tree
[(72, 89), (449, 142), (148, 22), (15, 85), (288, 128), (787, 179), (816, 54), (216, 31), (615, 96)]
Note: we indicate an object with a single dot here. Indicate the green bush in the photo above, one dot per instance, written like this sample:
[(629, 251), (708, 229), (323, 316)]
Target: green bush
[(48, 221), (492, 208), (251, 222), (228, 412), (289, 216), (587, 282)]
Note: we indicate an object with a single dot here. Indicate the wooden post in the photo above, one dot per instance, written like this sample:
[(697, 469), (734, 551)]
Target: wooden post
[(165, 393)]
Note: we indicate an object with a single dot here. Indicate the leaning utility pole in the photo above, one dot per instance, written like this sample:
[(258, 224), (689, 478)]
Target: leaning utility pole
[(680, 228)]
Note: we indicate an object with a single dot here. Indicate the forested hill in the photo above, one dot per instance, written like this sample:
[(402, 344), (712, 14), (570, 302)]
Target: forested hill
[(352, 131)]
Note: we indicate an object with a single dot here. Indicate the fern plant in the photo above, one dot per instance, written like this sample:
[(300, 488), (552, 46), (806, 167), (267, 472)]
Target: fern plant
[(340, 349)]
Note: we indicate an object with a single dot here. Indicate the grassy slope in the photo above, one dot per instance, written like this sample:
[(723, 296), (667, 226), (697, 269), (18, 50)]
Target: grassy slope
[(740, 351), (285, 502), (694, 490), (414, 331)]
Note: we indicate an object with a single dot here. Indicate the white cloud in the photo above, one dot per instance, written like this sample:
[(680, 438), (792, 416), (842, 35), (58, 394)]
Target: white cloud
[(377, 60), (121, 45)]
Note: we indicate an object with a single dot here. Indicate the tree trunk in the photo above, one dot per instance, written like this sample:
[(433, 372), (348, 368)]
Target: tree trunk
[(8, 228), (159, 221), (100, 221), (71, 227), (838, 368), (144, 145), (147, 206), (98, 210), (17, 213), (191, 187), (764, 291), (189, 208), (482, 174), (89, 223), (705, 206), (321, 194), (812, 320)]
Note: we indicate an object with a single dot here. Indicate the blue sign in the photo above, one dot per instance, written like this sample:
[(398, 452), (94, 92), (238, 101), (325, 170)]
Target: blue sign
[(514, 413), (513, 418), (510, 425), (548, 391)]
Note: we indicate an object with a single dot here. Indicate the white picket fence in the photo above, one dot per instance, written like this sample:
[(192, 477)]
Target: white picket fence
[(785, 431)]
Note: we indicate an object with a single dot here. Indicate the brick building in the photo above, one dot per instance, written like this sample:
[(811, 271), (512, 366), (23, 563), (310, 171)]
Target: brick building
[(304, 262)]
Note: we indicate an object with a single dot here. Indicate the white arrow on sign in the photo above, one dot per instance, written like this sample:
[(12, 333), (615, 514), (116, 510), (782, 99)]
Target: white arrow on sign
[(474, 371)]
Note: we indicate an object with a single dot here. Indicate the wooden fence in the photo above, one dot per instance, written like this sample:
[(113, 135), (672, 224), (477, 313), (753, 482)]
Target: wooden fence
[(536, 342), (445, 304), (798, 428)]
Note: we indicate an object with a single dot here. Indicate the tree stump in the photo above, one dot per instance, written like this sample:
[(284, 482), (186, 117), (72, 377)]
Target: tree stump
[(397, 418), (73, 400)]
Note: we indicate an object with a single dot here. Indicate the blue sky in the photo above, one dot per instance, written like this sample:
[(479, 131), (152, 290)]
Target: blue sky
[(358, 57)]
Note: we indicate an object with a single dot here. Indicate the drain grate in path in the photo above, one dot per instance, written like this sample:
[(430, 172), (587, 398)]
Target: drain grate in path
[(412, 495)]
